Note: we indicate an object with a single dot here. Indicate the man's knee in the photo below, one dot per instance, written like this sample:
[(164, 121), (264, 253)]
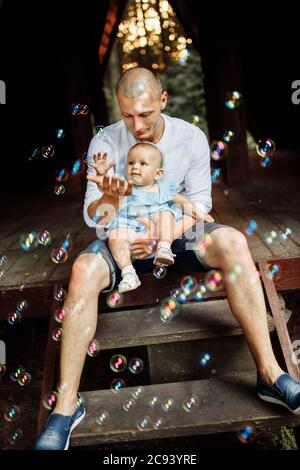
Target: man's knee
[(91, 270), (229, 242)]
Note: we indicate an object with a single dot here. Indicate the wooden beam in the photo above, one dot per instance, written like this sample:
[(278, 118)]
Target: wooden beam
[(278, 316)]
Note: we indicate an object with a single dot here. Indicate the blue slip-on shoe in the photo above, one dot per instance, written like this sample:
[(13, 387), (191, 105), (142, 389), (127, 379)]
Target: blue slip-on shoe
[(58, 429), (285, 392)]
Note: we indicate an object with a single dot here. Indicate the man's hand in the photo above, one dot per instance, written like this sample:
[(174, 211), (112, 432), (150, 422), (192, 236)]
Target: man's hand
[(113, 186), (101, 164), (145, 243)]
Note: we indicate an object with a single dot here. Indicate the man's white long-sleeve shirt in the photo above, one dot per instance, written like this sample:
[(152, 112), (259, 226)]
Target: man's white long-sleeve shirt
[(186, 159)]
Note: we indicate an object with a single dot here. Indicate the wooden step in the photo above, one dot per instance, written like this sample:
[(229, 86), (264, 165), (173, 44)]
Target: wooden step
[(196, 320), (225, 405)]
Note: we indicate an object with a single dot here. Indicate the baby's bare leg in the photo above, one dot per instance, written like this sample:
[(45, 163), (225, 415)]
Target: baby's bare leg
[(118, 245), (168, 230), (165, 226)]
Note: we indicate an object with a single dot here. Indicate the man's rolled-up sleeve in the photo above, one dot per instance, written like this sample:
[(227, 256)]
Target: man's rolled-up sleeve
[(197, 180)]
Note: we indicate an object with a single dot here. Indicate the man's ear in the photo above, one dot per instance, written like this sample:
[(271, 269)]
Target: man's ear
[(159, 173), (163, 100)]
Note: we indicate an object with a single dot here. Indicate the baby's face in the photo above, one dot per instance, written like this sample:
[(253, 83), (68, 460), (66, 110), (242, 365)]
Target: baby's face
[(143, 166)]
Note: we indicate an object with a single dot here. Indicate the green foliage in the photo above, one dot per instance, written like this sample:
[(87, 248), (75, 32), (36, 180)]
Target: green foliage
[(285, 439), (185, 86)]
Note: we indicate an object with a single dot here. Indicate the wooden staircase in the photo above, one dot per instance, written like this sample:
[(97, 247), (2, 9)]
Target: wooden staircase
[(183, 398)]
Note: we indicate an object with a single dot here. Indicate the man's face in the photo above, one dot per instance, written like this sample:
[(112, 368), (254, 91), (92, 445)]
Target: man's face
[(142, 115)]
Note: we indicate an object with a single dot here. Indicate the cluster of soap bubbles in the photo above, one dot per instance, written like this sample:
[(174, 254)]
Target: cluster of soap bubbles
[(75, 168), (29, 241), (131, 402), (21, 376), (251, 227), (61, 252), (118, 363), (265, 149), (46, 151), (189, 289), (16, 316), (79, 109)]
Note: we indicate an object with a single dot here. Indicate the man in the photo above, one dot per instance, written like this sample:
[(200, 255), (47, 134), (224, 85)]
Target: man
[(187, 163)]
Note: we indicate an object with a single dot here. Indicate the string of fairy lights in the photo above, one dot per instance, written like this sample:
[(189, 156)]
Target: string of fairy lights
[(150, 29)]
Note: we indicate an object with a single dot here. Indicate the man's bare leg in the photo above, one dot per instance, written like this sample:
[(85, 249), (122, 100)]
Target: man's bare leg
[(245, 296), (90, 275)]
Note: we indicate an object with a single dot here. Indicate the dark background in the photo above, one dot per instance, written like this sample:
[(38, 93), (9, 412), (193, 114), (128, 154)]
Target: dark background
[(43, 44)]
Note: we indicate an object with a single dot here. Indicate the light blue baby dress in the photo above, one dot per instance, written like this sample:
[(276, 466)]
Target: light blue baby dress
[(144, 203)]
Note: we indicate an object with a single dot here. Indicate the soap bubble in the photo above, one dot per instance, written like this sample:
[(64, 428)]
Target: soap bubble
[(233, 99), (24, 379), (228, 136), (28, 241), (93, 348), (102, 418), (159, 272), (190, 403), (218, 150), (44, 238), (136, 365), (47, 151), (214, 280), (118, 363), (169, 309), (15, 436), (61, 175), (265, 148), (11, 413), (59, 190), (49, 400)]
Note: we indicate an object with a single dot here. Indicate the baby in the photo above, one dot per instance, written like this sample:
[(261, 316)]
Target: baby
[(157, 200)]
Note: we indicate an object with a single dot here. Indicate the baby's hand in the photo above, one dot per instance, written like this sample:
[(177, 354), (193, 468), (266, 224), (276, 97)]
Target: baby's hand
[(101, 164)]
